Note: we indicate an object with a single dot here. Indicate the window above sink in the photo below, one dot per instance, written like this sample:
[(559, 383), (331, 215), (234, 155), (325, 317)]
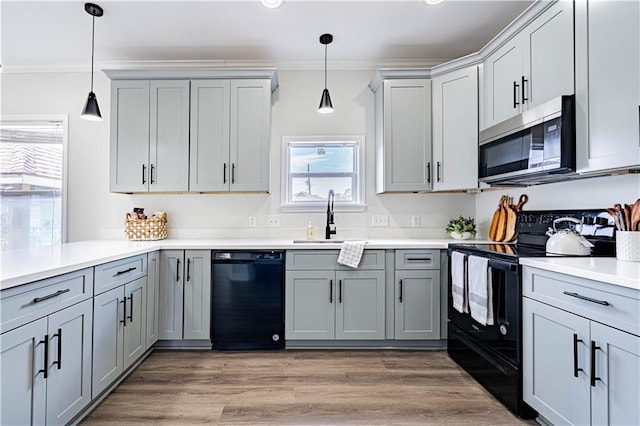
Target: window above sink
[(313, 165)]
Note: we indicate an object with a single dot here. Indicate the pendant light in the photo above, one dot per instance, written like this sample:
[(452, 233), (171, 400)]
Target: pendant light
[(325, 102), (91, 111)]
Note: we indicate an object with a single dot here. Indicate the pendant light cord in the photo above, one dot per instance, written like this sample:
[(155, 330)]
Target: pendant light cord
[(93, 38), (325, 66)]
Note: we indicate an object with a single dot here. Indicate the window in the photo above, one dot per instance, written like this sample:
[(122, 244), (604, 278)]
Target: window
[(315, 165), (32, 181)]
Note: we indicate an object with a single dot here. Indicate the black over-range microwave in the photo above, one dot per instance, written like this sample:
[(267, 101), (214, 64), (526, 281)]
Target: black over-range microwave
[(537, 146)]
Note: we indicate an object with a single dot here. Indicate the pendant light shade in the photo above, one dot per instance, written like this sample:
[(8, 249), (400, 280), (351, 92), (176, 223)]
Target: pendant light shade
[(91, 110), (325, 101)]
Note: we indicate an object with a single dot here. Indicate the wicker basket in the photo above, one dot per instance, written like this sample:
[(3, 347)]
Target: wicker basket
[(151, 229)]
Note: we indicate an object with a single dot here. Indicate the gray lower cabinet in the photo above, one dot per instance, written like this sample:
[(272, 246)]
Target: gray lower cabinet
[(577, 369), (46, 363), (326, 301), (153, 297), (184, 295), (119, 334), (417, 295)]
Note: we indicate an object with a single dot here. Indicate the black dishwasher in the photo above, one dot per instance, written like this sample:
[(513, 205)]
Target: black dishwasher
[(247, 300)]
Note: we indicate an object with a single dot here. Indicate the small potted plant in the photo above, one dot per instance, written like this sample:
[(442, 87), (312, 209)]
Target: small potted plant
[(461, 228)]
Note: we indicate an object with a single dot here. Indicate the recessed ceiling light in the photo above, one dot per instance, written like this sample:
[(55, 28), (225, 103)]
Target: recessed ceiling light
[(271, 3), (433, 2)]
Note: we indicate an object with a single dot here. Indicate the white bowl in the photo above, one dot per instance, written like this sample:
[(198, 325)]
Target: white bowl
[(463, 236)]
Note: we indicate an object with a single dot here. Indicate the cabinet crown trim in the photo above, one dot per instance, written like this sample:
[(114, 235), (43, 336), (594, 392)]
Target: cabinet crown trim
[(194, 74)]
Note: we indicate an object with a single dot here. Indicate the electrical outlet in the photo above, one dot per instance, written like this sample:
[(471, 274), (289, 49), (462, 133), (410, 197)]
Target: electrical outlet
[(379, 220), (273, 221), (415, 221), (252, 222)]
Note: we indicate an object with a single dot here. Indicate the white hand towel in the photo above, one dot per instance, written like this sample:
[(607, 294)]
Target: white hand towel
[(351, 253), (458, 282), (480, 291)]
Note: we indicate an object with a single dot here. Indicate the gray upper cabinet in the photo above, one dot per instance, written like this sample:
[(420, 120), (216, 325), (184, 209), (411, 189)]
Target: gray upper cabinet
[(149, 135), (403, 135), (169, 136), (250, 135), (209, 163), (608, 95), (129, 161), (191, 130), (230, 135), (455, 130), (532, 68)]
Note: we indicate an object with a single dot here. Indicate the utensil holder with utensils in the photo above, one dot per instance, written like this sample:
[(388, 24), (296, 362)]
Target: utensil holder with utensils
[(628, 246)]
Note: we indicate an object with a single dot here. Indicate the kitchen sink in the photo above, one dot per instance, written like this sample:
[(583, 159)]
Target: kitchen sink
[(317, 241)]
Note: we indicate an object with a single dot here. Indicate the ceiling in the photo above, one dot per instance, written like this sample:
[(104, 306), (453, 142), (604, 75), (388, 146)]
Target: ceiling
[(367, 34)]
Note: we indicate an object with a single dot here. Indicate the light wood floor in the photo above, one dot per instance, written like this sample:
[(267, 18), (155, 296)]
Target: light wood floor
[(300, 387)]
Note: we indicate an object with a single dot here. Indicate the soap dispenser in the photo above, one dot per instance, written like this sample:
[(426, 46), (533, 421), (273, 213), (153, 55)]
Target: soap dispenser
[(311, 233)]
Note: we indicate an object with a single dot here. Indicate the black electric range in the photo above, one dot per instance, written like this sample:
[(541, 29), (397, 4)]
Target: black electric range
[(492, 354)]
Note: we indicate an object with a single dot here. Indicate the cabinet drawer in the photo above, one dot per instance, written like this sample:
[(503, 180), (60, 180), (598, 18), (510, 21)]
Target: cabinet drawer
[(581, 296), (328, 260), (113, 274), (417, 259), (26, 303)]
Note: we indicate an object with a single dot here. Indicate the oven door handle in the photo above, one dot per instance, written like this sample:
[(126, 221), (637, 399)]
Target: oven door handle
[(503, 266)]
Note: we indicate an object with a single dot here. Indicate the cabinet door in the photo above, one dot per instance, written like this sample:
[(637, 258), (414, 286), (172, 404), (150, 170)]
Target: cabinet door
[(171, 295), (550, 383), (608, 95), (250, 135), (455, 130), (23, 396), (108, 332), (360, 308), (417, 304), (129, 159), (69, 381), (210, 168), (153, 298), (548, 55), (503, 78), (615, 396), (406, 145), (169, 136), (197, 294), (310, 299), (134, 331)]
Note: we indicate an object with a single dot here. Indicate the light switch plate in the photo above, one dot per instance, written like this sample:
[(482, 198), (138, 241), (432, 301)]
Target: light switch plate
[(252, 222), (415, 221), (273, 221)]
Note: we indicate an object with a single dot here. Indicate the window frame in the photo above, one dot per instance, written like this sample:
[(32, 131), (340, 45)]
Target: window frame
[(357, 205), (64, 119)]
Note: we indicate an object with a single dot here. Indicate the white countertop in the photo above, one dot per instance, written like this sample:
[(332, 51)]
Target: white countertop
[(605, 269), (24, 266)]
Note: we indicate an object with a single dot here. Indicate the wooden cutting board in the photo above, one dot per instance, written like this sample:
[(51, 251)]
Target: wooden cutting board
[(493, 229), (510, 225), (502, 220)]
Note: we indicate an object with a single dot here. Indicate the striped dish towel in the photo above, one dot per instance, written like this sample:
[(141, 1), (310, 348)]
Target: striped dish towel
[(351, 253)]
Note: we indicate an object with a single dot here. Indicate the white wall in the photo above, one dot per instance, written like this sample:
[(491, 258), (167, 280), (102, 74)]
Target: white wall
[(93, 212)]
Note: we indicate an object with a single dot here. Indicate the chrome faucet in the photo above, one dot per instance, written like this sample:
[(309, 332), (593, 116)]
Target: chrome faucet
[(330, 229)]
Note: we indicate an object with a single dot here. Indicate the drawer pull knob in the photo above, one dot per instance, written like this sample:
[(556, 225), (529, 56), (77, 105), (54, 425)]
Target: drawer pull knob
[(588, 299), (50, 296), (418, 259), (124, 272)]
